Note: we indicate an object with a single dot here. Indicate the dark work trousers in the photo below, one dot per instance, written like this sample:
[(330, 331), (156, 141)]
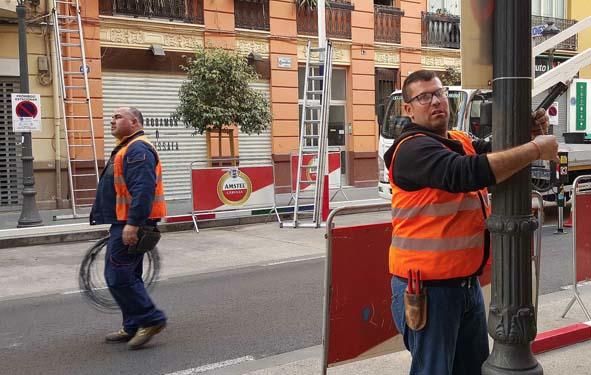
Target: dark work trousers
[(123, 273), (455, 339)]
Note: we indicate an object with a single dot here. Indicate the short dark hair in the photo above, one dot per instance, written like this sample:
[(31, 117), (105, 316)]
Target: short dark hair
[(419, 75), (137, 114)]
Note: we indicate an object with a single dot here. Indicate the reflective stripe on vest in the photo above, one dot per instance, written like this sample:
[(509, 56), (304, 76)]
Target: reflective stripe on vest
[(435, 231), (123, 197)]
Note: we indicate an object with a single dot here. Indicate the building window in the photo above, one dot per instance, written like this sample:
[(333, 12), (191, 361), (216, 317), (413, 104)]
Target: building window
[(445, 6), (386, 82), (337, 113), (548, 8)]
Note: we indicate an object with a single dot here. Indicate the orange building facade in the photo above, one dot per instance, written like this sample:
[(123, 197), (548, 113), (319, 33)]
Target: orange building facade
[(135, 52)]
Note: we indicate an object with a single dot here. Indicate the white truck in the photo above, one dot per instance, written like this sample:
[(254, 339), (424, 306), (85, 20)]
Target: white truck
[(465, 115)]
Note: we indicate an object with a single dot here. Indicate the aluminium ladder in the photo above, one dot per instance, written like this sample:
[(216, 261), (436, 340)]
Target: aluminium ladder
[(76, 107), (313, 147)]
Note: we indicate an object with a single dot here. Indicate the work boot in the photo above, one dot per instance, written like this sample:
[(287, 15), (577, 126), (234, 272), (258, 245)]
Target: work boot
[(143, 335), (119, 336)]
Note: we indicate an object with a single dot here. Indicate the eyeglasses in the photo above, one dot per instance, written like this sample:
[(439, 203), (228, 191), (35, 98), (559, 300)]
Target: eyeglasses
[(427, 97)]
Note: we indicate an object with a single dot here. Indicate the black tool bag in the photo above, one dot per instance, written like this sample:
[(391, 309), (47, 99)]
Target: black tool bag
[(148, 237)]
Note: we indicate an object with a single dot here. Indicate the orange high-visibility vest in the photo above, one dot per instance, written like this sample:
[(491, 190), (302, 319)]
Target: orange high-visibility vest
[(122, 194), (435, 231)]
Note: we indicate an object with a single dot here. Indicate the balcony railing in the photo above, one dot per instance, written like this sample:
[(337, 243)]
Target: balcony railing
[(338, 20), (570, 44), (174, 10), (387, 24), (440, 30), (251, 14)]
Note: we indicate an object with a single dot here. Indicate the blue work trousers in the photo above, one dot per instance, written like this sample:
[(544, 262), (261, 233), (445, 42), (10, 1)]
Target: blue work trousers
[(123, 273), (455, 339)]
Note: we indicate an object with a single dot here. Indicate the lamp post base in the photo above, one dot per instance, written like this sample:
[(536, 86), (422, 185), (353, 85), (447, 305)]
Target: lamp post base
[(515, 359)]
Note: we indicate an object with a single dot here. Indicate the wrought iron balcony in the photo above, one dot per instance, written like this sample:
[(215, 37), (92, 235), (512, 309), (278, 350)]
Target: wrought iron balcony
[(251, 14), (440, 30), (570, 44), (387, 24), (338, 19), (174, 10)]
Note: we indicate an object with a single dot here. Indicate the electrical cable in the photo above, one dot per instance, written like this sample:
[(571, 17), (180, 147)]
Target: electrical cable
[(92, 281)]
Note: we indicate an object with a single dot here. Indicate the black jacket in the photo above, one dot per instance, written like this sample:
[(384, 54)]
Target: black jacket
[(437, 162)]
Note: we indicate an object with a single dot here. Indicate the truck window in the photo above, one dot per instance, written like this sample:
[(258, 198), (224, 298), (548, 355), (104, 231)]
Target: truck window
[(392, 124)]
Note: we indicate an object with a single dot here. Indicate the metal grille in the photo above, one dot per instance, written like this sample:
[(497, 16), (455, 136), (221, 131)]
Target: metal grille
[(179, 10), (10, 148)]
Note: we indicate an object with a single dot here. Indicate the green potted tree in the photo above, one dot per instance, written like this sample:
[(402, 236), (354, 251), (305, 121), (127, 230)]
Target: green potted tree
[(216, 95)]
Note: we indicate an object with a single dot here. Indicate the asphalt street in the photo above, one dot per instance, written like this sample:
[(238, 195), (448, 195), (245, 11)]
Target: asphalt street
[(255, 311), (249, 311)]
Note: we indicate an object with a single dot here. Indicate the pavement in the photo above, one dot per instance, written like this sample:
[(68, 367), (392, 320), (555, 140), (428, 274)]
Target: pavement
[(41, 268), (59, 225)]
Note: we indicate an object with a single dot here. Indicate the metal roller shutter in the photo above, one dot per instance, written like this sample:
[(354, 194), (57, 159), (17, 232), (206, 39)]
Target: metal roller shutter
[(11, 171), (156, 96), (256, 145)]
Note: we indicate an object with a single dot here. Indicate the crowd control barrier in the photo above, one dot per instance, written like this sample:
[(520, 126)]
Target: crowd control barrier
[(580, 213), (334, 172), (357, 319), (232, 191)]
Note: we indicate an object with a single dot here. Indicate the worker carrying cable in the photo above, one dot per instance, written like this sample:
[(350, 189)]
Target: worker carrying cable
[(440, 244), (130, 197)]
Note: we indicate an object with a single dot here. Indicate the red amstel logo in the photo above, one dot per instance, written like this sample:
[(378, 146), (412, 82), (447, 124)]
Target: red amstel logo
[(234, 187)]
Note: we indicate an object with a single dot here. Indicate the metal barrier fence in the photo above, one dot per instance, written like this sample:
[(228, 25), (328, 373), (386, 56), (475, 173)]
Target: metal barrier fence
[(580, 195), (360, 301), (219, 191)]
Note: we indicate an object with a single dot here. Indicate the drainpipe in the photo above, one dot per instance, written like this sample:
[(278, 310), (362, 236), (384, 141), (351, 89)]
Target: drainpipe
[(56, 118)]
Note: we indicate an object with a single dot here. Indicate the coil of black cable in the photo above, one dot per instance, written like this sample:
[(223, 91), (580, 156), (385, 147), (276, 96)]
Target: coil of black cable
[(91, 277)]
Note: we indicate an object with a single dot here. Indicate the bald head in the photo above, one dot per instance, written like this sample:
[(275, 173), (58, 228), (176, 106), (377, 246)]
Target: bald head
[(126, 121)]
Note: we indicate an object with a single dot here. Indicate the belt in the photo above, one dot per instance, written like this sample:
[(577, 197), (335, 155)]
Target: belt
[(461, 282)]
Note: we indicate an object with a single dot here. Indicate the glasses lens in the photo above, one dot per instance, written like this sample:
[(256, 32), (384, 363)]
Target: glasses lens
[(425, 98)]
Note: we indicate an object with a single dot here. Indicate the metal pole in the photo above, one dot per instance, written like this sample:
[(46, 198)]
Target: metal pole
[(321, 23), (512, 321), (29, 214)]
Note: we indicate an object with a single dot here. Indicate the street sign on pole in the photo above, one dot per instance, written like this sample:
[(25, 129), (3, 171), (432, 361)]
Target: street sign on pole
[(26, 113)]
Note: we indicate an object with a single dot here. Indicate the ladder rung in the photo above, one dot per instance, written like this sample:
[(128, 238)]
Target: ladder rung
[(75, 101), (314, 106), (77, 117), (78, 131), (71, 44), (66, 17), (308, 181), (84, 204), (75, 87), (69, 31), (80, 145), (314, 92), (316, 78), (80, 160), (84, 190), (84, 175), (317, 49), (313, 121)]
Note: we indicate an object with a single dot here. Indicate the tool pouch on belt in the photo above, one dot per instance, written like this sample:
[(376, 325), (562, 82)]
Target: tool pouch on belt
[(148, 237), (415, 310)]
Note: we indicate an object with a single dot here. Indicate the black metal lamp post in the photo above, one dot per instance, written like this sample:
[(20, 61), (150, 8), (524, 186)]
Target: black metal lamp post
[(29, 213), (512, 321)]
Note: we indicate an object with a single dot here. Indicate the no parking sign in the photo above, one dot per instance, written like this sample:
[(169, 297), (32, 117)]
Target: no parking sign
[(26, 113)]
